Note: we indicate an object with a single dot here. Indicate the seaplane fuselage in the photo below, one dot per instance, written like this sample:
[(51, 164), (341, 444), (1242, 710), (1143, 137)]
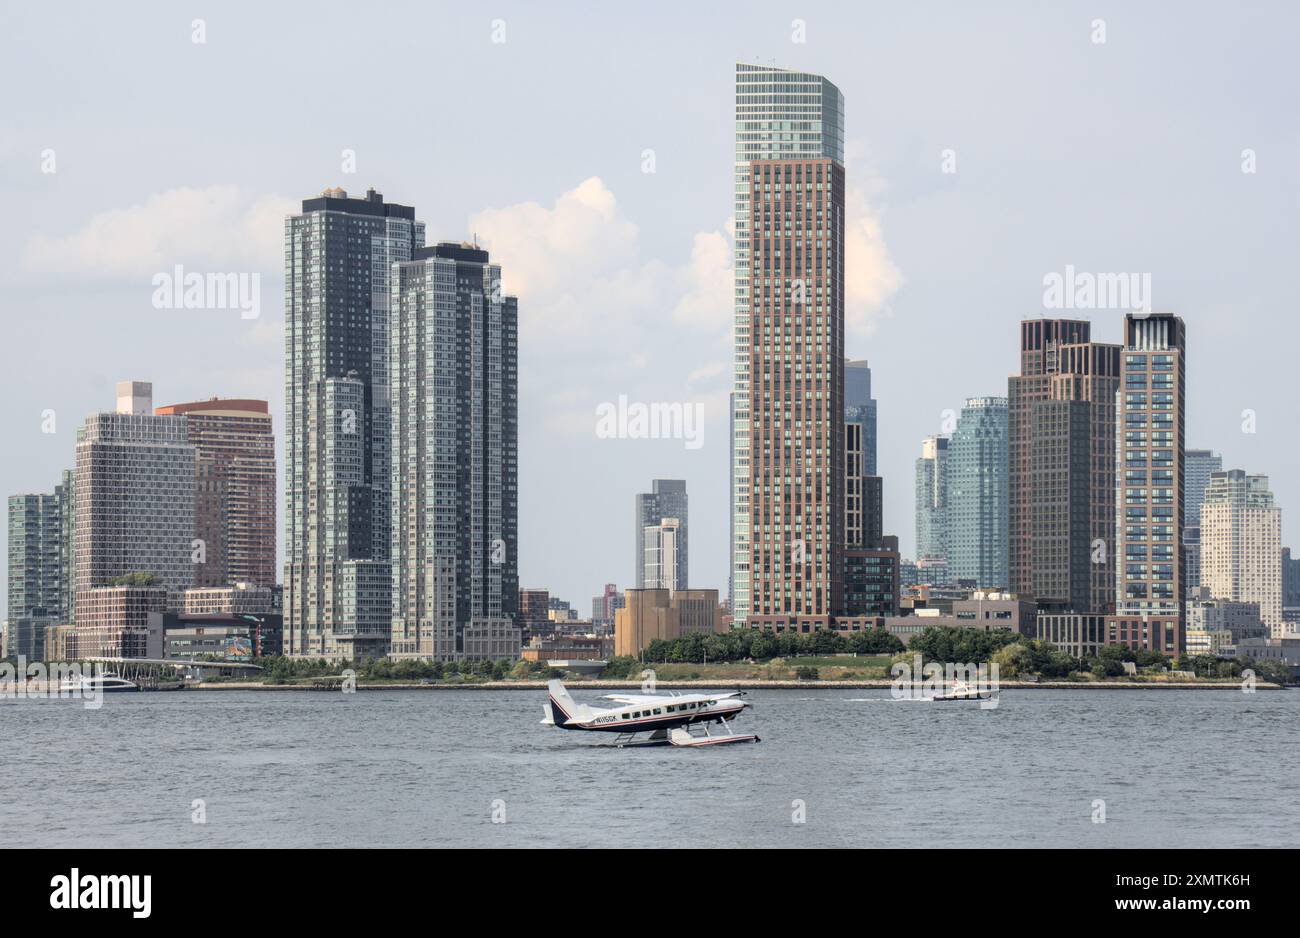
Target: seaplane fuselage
[(640, 714)]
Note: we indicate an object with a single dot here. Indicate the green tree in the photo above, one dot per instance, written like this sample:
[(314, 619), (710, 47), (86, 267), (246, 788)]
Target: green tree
[(1014, 659)]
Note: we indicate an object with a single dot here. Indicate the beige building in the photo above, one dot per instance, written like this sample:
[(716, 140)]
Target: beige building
[(661, 555), (60, 643), (659, 613), (1241, 544), (240, 598), (491, 638)]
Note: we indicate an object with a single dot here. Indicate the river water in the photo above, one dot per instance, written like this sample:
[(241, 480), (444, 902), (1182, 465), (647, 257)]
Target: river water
[(465, 768)]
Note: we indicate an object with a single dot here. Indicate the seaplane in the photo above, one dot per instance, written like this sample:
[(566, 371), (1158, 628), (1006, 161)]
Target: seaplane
[(650, 719)]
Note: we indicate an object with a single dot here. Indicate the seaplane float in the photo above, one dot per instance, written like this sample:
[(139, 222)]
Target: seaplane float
[(650, 719)]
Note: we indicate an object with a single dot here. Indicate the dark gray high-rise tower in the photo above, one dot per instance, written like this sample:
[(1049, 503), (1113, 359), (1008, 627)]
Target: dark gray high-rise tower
[(455, 478), (339, 256), (1201, 464), (666, 499), (860, 407)]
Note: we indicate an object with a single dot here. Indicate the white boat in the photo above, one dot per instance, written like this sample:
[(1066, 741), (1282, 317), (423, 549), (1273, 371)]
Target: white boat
[(98, 684), (963, 691)]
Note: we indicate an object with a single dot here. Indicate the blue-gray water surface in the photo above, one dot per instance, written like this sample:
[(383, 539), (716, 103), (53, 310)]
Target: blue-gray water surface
[(835, 768)]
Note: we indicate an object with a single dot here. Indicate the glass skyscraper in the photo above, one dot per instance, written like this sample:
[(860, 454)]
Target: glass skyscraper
[(1201, 464), (977, 493), (35, 585), (932, 499)]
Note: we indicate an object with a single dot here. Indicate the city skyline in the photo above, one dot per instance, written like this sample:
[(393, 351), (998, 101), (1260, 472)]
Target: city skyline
[(914, 380)]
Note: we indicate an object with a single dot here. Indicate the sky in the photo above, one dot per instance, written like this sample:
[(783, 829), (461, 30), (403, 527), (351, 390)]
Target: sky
[(589, 147)]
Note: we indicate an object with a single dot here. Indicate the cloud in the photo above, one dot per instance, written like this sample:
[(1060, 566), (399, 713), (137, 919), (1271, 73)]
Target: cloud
[(870, 276), (587, 295), (710, 373), (709, 287), (218, 228), (545, 252)]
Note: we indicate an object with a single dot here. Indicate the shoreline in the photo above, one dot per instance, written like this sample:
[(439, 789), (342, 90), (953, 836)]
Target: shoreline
[(35, 689), (744, 685)]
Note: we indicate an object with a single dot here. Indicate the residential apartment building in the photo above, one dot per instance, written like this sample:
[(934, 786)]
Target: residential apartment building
[(134, 502), (1241, 545), (1150, 583), (1061, 466), (234, 497), (788, 187), (339, 257), (454, 399)]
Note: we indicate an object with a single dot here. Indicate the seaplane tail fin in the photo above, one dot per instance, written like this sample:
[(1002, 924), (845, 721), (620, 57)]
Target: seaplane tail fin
[(563, 707)]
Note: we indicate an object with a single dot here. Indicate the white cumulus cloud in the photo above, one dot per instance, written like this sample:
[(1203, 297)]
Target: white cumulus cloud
[(219, 228), (870, 276)]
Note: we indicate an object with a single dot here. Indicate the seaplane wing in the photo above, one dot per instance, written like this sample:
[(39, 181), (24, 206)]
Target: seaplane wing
[(659, 698), (632, 698)]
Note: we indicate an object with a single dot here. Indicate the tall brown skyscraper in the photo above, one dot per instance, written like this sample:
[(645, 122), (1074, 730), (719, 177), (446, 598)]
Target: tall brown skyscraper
[(796, 395), (1149, 581), (1061, 466), (234, 498), (796, 117)]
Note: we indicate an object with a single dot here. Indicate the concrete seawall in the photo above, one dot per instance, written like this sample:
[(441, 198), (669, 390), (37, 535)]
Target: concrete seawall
[(749, 685)]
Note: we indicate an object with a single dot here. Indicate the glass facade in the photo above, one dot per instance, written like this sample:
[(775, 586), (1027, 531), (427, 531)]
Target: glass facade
[(977, 494)]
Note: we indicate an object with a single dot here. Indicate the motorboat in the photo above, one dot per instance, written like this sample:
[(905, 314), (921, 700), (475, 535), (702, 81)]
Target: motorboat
[(97, 684)]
